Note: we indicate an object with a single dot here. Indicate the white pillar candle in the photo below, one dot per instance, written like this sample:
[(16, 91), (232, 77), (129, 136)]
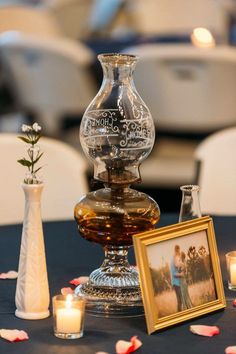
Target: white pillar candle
[(68, 319), (233, 274)]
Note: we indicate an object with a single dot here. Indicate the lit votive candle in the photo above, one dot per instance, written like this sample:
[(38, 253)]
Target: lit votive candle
[(231, 269), (68, 313)]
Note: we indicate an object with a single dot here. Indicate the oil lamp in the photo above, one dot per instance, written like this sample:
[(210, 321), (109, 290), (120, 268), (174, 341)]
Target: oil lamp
[(117, 133)]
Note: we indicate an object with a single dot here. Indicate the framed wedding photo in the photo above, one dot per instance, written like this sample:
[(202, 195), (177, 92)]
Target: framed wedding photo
[(179, 272)]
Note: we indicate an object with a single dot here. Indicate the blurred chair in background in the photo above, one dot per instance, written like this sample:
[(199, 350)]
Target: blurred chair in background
[(112, 19), (79, 19), (103, 13), (64, 174), (187, 89), (29, 20), (51, 78), (217, 173), (71, 15), (159, 18), (180, 17), (191, 92)]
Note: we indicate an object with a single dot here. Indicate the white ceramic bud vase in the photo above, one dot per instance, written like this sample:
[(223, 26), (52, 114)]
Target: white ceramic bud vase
[(32, 292)]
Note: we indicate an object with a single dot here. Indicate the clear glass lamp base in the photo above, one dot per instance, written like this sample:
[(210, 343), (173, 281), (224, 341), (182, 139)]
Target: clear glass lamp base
[(113, 289)]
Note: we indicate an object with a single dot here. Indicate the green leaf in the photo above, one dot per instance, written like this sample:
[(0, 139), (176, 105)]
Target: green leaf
[(25, 162), (36, 160), (26, 140)]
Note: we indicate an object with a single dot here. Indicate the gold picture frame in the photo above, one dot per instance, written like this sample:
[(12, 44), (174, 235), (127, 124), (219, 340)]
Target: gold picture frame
[(179, 272)]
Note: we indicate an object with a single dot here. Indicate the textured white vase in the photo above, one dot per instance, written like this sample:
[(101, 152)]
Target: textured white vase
[(32, 292)]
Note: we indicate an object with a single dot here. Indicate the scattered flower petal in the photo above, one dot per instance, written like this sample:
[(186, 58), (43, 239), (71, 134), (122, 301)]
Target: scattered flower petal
[(78, 281), (12, 274), (13, 335), (207, 331), (124, 347), (136, 342), (234, 302), (66, 291), (230, 350)]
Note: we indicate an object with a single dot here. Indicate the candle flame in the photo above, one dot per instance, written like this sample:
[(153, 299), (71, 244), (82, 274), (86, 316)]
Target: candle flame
[(69, 298), (202, 37)]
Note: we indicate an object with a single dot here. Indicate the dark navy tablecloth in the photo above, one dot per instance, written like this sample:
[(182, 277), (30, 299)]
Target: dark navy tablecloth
[(69, 256)]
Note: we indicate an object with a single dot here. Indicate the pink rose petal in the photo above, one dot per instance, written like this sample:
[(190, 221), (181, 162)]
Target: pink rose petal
[(12, 274), (230, 350), (13, 335), (234, 302), (66, 291), (136, 342), (78, 281), (124, 347), (207, 331)]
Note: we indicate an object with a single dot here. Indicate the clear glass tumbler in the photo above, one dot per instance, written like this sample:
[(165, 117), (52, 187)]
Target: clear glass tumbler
[(68, 316), (231, 269), (190, 206)]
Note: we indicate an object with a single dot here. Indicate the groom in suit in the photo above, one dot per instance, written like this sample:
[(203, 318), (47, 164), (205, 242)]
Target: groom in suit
[(175, 276)]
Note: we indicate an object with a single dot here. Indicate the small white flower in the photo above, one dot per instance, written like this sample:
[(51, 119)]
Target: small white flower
[(28, 175), (31, 178), (26, 128), (40, 178), (36, 127), (28, 178), (34, 151)]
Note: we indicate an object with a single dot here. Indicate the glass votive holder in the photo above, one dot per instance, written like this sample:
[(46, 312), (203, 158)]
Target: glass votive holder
[(231, 269), (68, 316)]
